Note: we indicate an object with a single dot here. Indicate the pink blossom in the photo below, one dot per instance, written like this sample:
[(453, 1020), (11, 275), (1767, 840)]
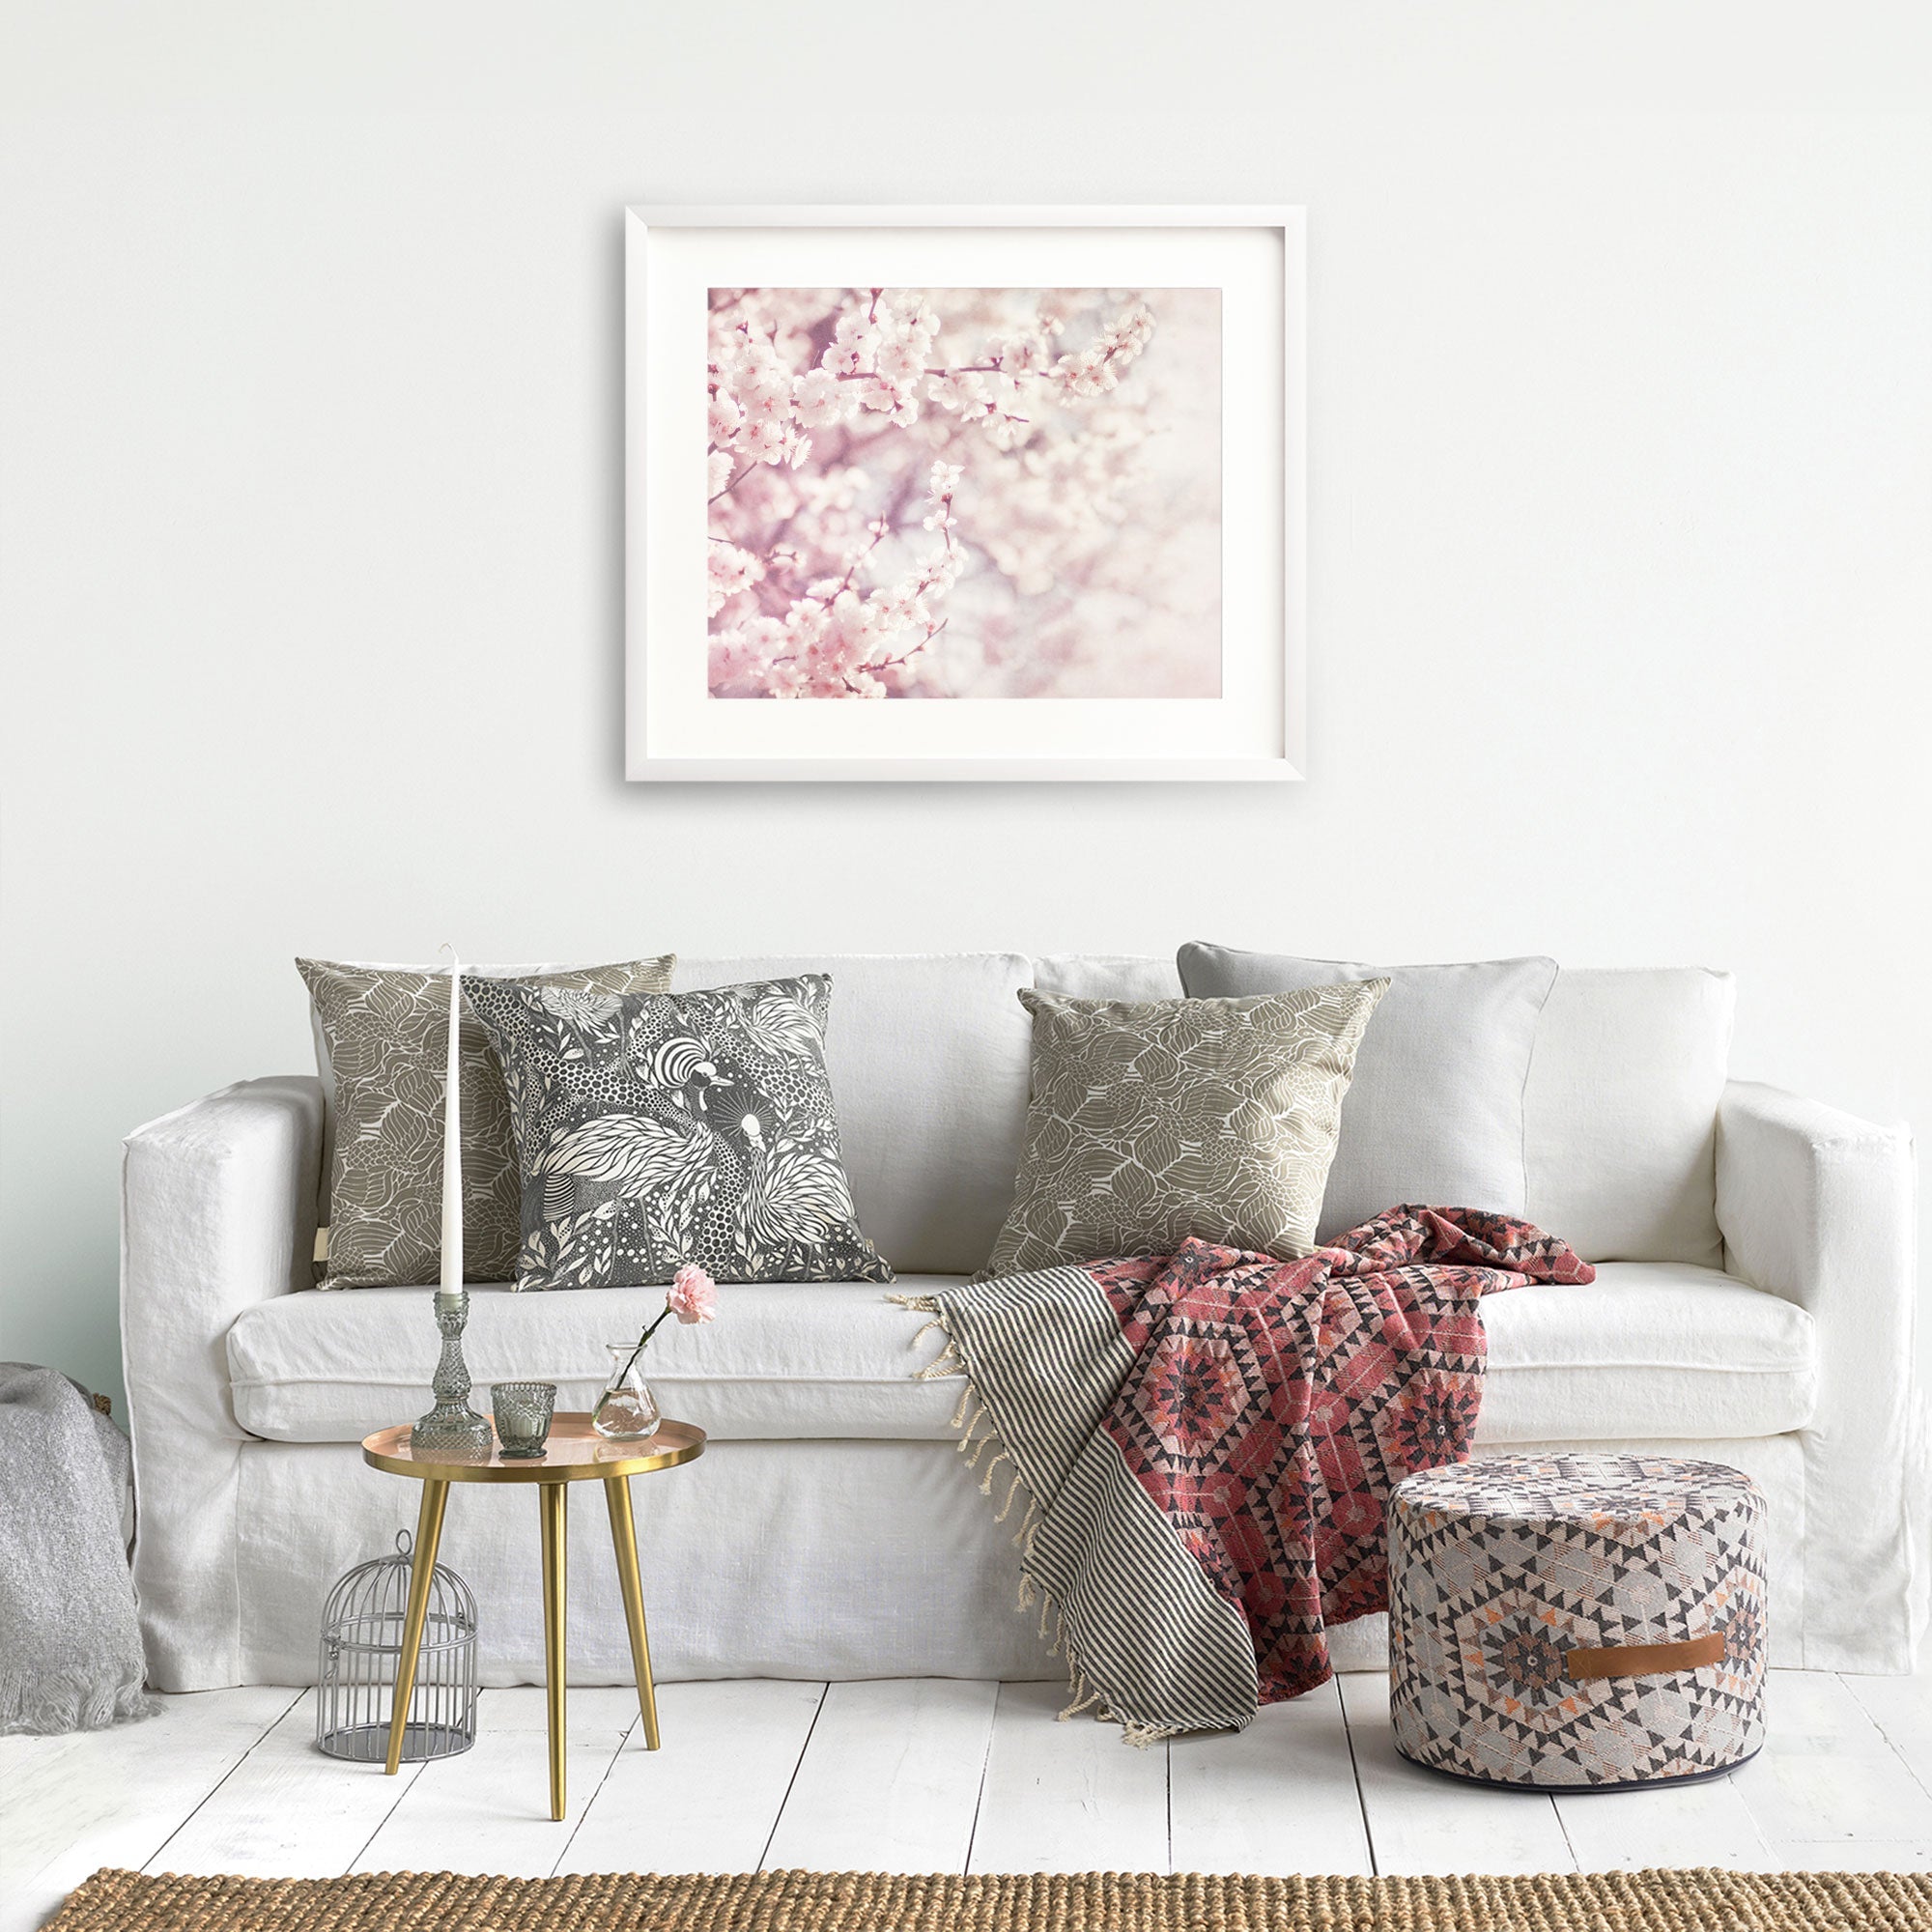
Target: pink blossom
[(693, 1295), (731, 570), (764, 386), (763, 439), (724, 417), (889, 400), (900, 362), (817, 400)]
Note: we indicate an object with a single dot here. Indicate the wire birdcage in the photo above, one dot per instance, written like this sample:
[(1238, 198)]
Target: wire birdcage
[(362, 1642)]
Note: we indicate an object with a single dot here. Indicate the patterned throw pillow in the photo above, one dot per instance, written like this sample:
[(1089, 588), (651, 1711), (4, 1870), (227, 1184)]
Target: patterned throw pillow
[(688, 1127), (386, 1034), (1149, 1123)]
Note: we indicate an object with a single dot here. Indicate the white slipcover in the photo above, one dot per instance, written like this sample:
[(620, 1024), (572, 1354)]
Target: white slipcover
[(1818, 1207), (860, 1553)]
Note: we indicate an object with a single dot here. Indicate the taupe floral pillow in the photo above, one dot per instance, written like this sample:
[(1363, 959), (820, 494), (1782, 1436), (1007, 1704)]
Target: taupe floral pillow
[(386, 1035), (1150, 1122)]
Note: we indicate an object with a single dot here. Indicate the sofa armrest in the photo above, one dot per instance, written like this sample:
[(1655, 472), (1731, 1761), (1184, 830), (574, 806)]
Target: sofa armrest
[(1819, 1207), (217, 1211)]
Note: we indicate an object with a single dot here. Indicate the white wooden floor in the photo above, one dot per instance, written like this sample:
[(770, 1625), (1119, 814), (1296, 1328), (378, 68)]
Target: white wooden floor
[(927, 1774)]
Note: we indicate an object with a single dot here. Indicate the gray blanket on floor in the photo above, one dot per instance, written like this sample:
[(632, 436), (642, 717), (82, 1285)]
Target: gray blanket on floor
[(71, 1654)]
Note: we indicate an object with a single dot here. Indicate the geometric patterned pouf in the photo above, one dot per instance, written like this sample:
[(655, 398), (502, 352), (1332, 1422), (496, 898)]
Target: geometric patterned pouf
[(1582, 1622)]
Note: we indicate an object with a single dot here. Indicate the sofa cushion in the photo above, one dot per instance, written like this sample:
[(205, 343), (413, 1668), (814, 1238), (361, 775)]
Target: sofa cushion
[(928, 1054), (1620, 1113), (1649, 1352), (781, 1359)]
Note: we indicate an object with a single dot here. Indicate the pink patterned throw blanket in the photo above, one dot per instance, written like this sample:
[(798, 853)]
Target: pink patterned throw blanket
[(1206, 1444)]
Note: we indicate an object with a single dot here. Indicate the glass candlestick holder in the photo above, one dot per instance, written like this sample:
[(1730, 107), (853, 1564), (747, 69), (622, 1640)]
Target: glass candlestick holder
[(452, 1432)]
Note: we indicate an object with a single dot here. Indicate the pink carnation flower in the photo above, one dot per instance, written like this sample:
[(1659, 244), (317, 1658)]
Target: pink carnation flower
[(693, 1295)]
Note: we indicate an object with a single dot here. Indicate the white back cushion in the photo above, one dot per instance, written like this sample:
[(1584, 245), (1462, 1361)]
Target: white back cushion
[(928, 1055), (1620, 1113), (1107, 976)]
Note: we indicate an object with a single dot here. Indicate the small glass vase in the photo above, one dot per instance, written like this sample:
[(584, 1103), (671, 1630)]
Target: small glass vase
[(626, 1411)]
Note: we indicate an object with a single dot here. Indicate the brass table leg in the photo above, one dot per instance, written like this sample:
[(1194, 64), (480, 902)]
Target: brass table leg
[(422, 1569), (553, 1501), (624, 1535)]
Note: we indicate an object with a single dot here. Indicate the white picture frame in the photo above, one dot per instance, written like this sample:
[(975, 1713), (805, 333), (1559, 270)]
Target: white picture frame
[(1254, 730)]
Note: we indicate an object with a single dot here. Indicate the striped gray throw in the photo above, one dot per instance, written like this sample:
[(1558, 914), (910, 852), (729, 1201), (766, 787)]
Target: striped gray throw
[(1206, 1442)]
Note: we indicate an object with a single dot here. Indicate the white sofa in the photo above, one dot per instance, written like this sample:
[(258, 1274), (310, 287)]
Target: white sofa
[(1753, 1305)]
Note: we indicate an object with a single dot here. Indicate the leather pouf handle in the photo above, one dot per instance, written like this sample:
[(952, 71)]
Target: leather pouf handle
[(1645, 1659)]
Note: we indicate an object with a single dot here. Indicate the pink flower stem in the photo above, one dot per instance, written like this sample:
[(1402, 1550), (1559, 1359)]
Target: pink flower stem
[(912, 651), (852, 568), (649, 1331)]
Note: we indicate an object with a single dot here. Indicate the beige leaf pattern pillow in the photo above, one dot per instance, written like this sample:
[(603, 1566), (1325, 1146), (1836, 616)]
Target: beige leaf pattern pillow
[(386, 1031), (1150, 1122)]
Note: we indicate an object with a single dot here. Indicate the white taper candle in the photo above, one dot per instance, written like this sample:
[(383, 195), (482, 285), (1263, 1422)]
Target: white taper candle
[(452, 1139)]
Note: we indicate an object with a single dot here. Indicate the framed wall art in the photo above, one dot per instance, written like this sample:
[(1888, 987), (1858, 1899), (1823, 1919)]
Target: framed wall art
[(964, 492)]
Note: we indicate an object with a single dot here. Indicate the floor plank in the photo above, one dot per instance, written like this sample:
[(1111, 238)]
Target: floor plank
[(1901, 1709), (1277, 1799), (1419, 1820), (1828, 1772), (1865, 1855), (114, 1798), (1067, 1797), (891, 1778), (1704, 1824), (489, 1810), (287, 1810), (526, 1707), (708, 1799)]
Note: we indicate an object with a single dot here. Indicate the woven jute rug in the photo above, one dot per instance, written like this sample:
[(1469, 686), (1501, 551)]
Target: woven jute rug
[(1652, 1901)]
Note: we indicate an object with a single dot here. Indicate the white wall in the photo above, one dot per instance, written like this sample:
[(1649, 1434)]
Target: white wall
[(310, 469)]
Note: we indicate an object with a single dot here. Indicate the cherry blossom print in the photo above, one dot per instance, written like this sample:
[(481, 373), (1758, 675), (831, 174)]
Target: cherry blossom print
[(964, 492)]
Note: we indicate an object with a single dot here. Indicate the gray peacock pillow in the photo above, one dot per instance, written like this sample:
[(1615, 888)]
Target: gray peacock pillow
[(382, 1036), (658, 1129)]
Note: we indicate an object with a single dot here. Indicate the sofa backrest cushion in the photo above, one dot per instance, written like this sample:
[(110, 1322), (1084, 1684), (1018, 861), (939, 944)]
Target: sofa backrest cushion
[(1620, 1113), (1106, 976), (928, 1055)]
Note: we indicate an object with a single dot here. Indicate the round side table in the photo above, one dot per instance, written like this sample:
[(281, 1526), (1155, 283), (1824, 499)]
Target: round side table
[(574, 1454)]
